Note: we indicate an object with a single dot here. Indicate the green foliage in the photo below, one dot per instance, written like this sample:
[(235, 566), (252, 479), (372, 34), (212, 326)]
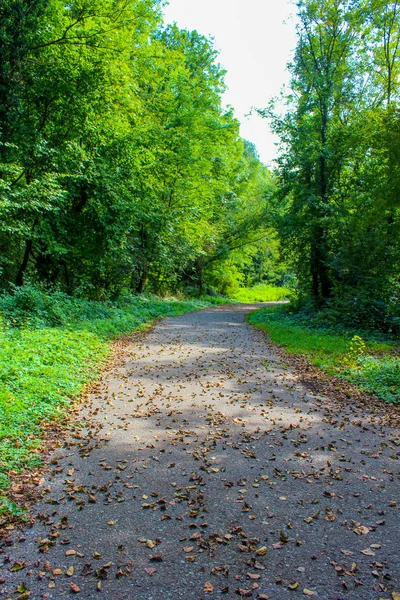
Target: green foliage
[(338, 201), (51, 346), (356, 350), (262, 293), (119, 170), (371, 368), (379, 375)]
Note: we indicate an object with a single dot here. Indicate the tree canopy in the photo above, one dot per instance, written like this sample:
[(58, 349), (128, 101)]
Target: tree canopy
[(120, 168), (339, 187)]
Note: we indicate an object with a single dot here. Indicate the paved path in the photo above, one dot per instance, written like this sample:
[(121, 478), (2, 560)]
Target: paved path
[(221, 477)]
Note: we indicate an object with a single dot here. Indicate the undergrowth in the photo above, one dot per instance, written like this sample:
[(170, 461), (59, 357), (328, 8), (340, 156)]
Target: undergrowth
[(51, 347), (358, 357)]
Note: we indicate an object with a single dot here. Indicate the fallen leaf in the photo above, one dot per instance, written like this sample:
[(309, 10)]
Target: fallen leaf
[(208, 587), (361, 530), (74, 588), (368, 552), (17, 566), (262, 551)]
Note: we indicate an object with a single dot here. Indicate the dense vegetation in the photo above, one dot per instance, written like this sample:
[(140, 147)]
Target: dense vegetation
[(119, 167), (338, 200)]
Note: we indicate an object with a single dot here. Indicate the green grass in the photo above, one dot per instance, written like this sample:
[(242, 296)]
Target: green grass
[(366, 362), (51, 347), (261, 293)]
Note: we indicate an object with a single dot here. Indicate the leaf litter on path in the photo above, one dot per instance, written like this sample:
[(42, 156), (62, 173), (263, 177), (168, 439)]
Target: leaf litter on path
[(197, 471)]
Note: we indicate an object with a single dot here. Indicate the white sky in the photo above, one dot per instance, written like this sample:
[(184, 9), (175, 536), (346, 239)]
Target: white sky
[(255, 39)]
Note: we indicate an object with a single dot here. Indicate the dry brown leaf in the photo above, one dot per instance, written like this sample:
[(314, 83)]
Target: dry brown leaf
[(368, 552), (362, 530), (253, 576)]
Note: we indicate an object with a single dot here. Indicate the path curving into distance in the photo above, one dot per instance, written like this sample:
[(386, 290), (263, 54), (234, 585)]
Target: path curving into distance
[(210, 472)]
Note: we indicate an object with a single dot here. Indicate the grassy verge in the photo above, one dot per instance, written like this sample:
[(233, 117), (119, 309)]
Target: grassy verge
[(261, 293), (367, 362), (51, 347)]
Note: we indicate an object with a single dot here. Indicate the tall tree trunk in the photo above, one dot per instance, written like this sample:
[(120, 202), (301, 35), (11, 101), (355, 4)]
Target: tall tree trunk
[(321, 281), (323, 272), (200, 274), (143, 279), (19, 281)]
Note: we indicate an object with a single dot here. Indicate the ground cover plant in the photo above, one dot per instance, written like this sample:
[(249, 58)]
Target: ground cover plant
[(51, 346), (366, 361), (262, 293)]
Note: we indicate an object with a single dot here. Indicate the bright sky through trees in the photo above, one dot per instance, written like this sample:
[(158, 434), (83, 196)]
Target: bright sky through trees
[(255, 39)]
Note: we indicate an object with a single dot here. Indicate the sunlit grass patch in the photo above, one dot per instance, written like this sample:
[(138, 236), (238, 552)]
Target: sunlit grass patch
[(261, 293)]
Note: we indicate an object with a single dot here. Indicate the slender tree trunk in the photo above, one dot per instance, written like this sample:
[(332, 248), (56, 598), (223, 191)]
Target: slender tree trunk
[(323, 278), (200, 274), (143, 279), (19, 281), (145, 264)]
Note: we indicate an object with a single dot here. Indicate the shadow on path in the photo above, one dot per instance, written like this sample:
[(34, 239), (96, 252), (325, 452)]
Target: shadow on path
[(211, 472)]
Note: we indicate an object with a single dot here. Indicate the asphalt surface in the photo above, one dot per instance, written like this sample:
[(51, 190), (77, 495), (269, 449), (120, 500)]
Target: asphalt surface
[(205, 469)]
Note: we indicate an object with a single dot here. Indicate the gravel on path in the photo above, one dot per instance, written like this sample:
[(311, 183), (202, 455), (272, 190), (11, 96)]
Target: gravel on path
[(206, 470)]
